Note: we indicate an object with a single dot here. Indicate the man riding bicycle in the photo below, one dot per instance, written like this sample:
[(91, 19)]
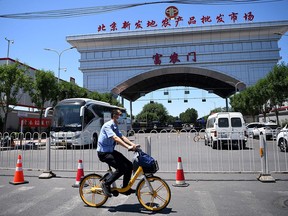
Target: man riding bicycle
[(109, 136)]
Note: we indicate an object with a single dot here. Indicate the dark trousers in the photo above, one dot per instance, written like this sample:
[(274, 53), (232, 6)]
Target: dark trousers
[(120, 163)]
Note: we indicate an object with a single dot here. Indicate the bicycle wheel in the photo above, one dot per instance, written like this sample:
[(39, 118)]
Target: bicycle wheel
[(156, 200), (91, 192), (196, 138)]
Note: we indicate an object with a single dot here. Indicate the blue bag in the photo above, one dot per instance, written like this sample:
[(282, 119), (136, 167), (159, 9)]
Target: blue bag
[(145, 160), (148, 163)]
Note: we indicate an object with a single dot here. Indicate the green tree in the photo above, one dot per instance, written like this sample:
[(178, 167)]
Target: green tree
[(95, 96), (153, 112), (45, 87), (269, 92), (246, 102), (108, 97), (189, 116), (70, 90), (261, 96), (171, 119), (13, 78), (277, 87), (105, 97), (82, 92), (218, 109)]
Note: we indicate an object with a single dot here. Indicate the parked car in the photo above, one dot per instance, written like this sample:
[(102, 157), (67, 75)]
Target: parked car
[(282, 139), (269, 129), (7, 141), (225, 128), (250, 127)]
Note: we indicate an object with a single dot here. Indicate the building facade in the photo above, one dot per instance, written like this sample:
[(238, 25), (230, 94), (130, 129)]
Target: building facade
[(219, 58)]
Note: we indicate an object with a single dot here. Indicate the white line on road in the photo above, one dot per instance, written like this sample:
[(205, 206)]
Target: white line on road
[(67, 207), (21, 207), (17, 191)]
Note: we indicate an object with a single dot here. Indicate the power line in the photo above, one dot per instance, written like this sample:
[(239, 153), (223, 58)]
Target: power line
[(85, 11)]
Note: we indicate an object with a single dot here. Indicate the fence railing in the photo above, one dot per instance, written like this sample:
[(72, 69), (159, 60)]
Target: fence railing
[(165, 146)]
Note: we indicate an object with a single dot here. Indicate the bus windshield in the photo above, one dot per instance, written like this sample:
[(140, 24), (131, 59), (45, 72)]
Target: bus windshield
[(67, 118)]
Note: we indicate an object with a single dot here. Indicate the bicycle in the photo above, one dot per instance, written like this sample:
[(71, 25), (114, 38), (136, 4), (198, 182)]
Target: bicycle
[(198, 137), (153, 192)]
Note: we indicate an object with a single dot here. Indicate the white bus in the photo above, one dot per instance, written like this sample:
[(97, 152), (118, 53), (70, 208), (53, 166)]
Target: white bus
[(77, 121)]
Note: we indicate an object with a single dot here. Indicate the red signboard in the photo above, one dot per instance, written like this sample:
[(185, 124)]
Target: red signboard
[(34, 122)]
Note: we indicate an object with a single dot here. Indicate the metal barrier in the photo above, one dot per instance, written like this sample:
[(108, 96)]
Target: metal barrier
[(30, 145), (264, 175), (165, 146)]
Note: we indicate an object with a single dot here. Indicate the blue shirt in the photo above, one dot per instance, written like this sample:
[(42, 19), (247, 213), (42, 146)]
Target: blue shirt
[(105, 140)]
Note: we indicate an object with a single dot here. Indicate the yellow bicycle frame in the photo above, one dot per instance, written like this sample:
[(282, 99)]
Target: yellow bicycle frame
[(138, 172)]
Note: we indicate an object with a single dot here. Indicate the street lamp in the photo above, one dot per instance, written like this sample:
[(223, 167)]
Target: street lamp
[(235, 85), (59, 57), (236, 89), (8, 50)]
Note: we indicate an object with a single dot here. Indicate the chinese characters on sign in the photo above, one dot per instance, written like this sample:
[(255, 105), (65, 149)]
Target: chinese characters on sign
[(35, 122), (173, 14), (157, 58), (174, 58)]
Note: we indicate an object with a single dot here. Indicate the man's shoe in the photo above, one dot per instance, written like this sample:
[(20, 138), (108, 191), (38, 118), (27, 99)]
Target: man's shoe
[(130, 191), (106, 189)]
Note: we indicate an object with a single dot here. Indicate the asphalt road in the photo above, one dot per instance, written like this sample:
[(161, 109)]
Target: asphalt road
[(207, 194)]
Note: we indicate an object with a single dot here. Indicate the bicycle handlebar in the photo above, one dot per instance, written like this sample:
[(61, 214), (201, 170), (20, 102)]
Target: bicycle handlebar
[(138, 148)]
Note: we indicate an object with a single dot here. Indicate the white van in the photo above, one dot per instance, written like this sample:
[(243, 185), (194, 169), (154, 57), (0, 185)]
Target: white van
[(225, 128)]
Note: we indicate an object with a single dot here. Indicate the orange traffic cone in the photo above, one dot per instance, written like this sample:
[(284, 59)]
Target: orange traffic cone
[(180, 179), (80, 174), (18, 176)]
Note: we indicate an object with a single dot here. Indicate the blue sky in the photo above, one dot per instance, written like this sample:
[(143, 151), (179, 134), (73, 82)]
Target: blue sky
[(32, 36)]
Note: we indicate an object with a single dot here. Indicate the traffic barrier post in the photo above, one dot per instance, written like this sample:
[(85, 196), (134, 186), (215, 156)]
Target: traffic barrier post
[(264, 176), (47, 173), (147, 145)]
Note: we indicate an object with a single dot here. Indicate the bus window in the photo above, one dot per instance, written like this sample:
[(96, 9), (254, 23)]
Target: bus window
[(88, 116), (66, 116), (98, 110)]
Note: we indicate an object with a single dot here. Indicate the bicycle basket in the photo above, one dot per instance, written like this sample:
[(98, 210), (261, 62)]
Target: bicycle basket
[(149, 164), (152, 169)]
